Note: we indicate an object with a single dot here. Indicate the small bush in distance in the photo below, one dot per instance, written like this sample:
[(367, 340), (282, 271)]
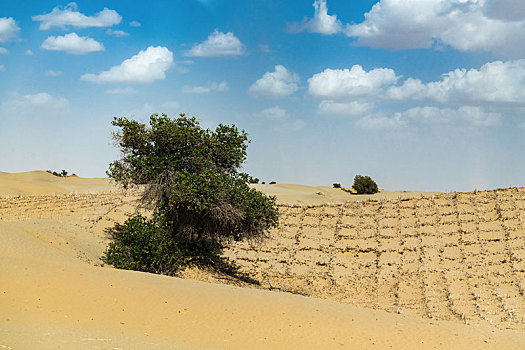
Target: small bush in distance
[(272, 182), (364, 185), (254, 180), (63, 173), (337, 185)]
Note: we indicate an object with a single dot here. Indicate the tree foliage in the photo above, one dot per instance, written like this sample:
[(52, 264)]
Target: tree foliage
[(192, 182), (364, 185)]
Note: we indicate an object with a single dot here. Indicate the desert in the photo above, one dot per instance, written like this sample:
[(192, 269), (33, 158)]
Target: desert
[(266, 174), (394, 270)]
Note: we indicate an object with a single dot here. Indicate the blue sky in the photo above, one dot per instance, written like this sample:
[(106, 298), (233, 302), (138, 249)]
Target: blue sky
[(417, 94)]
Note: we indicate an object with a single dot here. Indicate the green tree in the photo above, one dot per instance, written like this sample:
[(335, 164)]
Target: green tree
[(364, 185), (191, 181)]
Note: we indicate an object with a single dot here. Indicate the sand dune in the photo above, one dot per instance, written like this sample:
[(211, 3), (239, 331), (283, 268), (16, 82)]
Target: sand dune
[(54, 293), (312, 195), (41, 182)]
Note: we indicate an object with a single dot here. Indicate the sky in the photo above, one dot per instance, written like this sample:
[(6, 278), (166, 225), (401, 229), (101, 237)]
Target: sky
[(419, 95)]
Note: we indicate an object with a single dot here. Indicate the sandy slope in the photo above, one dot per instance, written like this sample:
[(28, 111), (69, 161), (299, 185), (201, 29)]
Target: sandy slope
[(54, 293), (458, 257), (40, 182), (313, 195)]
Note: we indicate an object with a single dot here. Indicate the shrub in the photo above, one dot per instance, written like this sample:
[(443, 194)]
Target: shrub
[(63, 173), (199, 199), (364, 185), (337, 185), (272, 182), (254, 180), (144, 245)]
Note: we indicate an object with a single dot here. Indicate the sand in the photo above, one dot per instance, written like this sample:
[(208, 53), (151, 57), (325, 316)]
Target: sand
[(292, 194), (54, 293)]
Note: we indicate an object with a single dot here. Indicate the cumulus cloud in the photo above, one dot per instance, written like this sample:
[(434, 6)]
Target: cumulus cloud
[(495, 83), (217, 44), (28, 52), (117, 33), (3, 51), (350, 83), (145, 67), (474, 97), (465, 25), (135, 24), (69, 16), (465, 116), (279, 83), (333, 108), (72, 43), (212, 86), (2, 68), (8, 29), (322, 22)]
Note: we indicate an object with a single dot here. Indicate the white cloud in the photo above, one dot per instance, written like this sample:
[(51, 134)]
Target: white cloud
[(411, 88), (495, 83), (2, 68), (72, 43), (145, 67), (465, 25), (53, 73), (322, 22), (29, 52), (43, 99), (135, 24), (117, 33), (121, 91), (8, 29), (279, 83), (354, 108), (38, 102), (212, 86), (3, 51), (69, 16), (350, 83), (275, 113), (465, 116), (217, 44)]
